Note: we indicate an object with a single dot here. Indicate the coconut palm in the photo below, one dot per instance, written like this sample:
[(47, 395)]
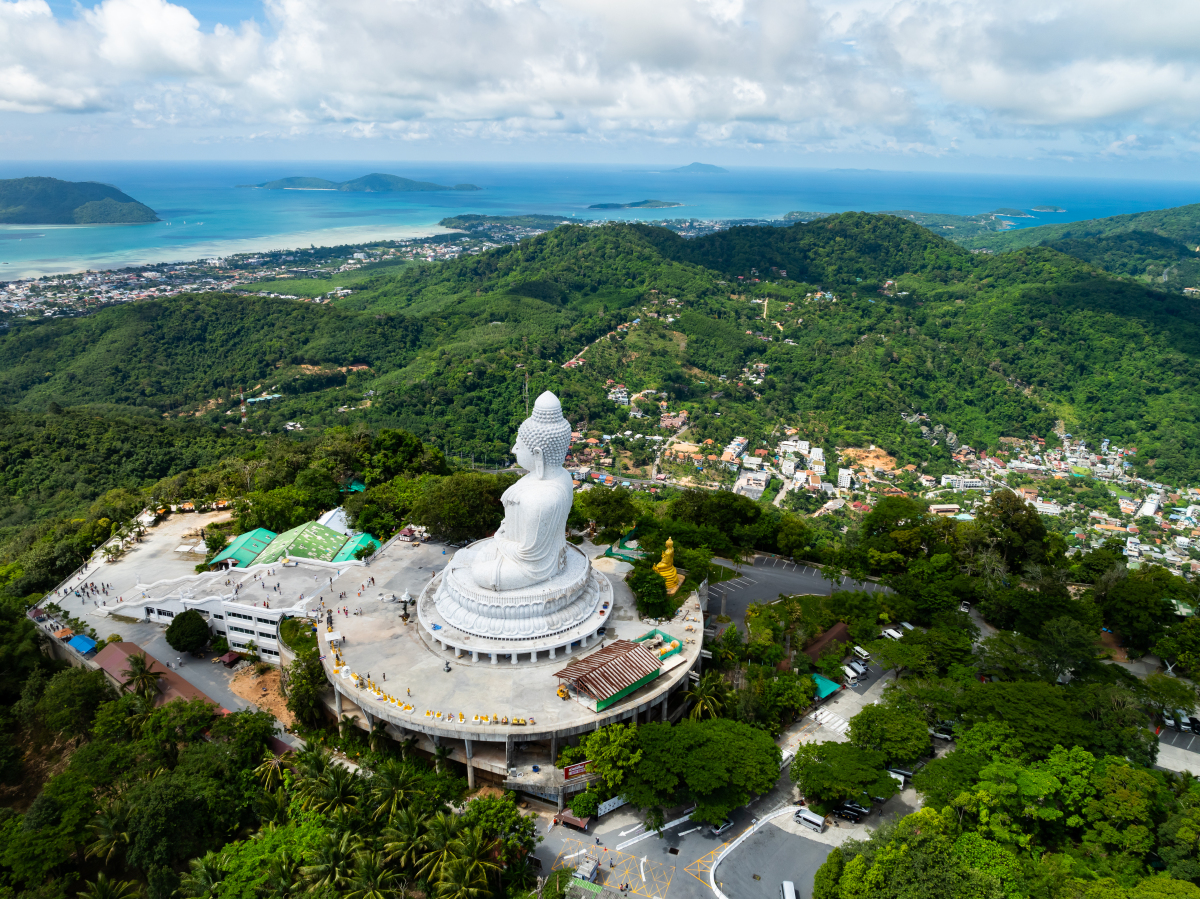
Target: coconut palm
[(393, 783), (460, 881), (334, 791), (372, 879), (378, 734), (404, 838), (439, 845), (204, 876), (332, 862), (110, 832), (709, 696), (140, 675), (103, 888), (440, 754), (407, 747), (283, 875), (346, 725), (270, 771), (477, 850), (272, 807)]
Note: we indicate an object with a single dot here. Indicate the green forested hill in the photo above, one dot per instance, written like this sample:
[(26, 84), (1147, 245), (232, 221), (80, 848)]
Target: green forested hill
[(49, 201), (989, 345), (1180, 223)]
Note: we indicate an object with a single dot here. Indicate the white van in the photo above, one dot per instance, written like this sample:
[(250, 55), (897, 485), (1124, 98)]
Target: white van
[(851, 676), (787, 890), (862, 653), (810, 819), (786, 759), (892, 634)]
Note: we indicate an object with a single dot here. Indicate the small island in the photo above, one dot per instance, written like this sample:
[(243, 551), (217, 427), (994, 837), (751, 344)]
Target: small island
[(699, 168), (1048, 209), (370, 184), (49, 201), (641, 204), (1011, 213)]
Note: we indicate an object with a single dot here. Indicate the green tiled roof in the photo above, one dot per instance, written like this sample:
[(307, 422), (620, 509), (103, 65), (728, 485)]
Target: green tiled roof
[(346, 553), (245, 547), (308, 541)]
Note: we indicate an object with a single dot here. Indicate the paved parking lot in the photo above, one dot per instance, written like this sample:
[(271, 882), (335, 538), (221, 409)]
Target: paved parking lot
[(756, 868)]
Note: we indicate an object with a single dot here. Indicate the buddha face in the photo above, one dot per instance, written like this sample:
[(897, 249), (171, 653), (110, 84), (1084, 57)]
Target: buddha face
[(527, 458)]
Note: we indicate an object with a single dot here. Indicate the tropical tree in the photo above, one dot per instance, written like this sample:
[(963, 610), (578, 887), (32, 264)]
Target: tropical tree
[(404, 838), (440, 845), (332, 862), (440, 754), (378, 734), (372, 879), (284, 876), (407, 746), (477, 850), (140, 676), (709, 696), (270, 771), (459, 880), (272, 807), (110, 832), (103, 888), (336, 790), (394, 781), (204, 876)]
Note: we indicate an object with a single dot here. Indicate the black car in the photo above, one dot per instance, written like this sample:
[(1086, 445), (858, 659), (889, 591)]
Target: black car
[(855, 807), (847, 814)]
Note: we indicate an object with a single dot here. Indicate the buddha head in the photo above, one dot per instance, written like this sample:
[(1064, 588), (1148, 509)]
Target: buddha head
[(543, 437)]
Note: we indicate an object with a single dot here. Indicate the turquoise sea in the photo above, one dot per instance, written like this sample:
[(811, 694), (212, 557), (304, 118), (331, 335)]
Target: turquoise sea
[(204, 213)]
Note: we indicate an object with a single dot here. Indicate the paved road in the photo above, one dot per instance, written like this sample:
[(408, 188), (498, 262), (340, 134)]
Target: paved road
[(756, 868), (765, 578)]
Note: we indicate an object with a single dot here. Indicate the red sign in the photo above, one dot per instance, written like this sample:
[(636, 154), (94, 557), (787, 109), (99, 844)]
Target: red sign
[(575, 770)]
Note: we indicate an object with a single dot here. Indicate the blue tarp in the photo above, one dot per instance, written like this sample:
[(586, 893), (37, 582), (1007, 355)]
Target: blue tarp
[(82, 644)]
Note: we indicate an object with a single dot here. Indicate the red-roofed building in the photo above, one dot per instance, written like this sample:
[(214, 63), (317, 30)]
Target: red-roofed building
[(113, 660)]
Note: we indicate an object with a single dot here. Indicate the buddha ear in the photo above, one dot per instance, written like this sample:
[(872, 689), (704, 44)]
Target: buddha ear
[(539, 464)]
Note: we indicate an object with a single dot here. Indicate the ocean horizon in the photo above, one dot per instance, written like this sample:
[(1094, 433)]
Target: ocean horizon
[(205, 214)]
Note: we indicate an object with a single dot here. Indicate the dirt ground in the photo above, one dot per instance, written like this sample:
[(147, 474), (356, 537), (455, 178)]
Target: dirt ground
[(871, 458), (1109, 641), (249, 686)]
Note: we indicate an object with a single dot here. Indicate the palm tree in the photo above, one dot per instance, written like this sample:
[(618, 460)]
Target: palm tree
[(407, 747), (204, 877), (140, 676), (111, 833), (372, 879), (460, 881), (283, 875), (272, 807), (270, 772), (332, 862), (312, 764), (404, 838), (439, 844), (710, 696), (335, 791), (477, 850), (440, 754), (378, 734), (394, 782), (103, 888)]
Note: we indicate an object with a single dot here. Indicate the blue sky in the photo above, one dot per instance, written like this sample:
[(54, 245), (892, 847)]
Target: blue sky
[(1098, 87)]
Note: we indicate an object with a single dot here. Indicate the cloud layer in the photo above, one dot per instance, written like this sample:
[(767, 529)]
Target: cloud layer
[(1101, 77)]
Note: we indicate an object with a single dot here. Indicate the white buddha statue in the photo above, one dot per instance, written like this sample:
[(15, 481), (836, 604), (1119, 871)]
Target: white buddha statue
[(530, 546)]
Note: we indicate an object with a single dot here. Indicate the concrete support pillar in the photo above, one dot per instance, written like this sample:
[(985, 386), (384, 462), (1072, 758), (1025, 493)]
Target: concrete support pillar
[(470, 766), (562, 801), (474, 655), (458, 652), (553, 749), (513, 656), (337, 701), (508, 751), (495, 657), (666, 701), (367, 717), (553, 652)]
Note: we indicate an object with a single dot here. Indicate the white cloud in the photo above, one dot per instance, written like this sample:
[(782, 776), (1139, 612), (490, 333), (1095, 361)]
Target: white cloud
[(904, 76)]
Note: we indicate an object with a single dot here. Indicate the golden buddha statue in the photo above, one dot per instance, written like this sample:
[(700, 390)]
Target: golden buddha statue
[(666, 568)]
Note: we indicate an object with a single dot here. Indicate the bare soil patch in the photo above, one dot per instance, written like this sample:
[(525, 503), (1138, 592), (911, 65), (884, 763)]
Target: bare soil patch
[(871, 458), (250, 686)]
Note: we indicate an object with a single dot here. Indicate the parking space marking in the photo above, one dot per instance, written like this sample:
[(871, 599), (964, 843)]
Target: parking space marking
[(701, 866), (616, 868)]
